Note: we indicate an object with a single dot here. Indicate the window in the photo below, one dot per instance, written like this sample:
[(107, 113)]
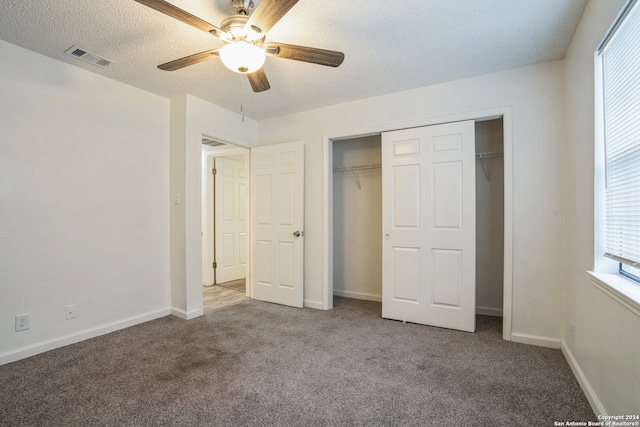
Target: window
[(619, 61)]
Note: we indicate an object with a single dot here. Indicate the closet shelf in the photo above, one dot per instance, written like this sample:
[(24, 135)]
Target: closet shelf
[(485, 167), (358, 168), (355, 169), (488, 155)]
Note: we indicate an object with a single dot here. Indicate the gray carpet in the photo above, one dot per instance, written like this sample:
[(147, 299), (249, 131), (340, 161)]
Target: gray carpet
[(262, 364)]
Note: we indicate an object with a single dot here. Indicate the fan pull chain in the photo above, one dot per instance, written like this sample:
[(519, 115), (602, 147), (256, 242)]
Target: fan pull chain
[(243, 86)]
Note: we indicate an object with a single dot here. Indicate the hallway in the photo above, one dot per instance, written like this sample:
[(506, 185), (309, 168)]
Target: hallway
[(223, 295)]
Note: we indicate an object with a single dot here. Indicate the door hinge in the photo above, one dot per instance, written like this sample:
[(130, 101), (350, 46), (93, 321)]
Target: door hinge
[(214, 171), (215, 264)]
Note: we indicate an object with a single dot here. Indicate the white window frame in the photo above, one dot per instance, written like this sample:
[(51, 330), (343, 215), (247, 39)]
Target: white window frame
[(606, 271)]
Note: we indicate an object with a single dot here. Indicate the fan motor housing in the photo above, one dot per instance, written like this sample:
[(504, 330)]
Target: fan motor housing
[(236, 26)]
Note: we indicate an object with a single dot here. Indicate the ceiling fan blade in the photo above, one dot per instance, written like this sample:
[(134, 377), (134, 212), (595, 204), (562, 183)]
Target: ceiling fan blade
[(184, 16), (189, 60), (268, 13), (258, 80), (314, 55)]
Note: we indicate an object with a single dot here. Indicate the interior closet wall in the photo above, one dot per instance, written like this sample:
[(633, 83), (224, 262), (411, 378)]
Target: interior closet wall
[(489, 217), (357, 219)]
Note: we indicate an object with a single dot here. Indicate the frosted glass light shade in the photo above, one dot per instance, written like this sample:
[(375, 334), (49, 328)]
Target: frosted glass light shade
[(242, 57)]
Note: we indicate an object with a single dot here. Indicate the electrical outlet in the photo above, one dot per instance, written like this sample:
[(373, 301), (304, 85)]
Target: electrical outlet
[(22, 322), (70, 312)]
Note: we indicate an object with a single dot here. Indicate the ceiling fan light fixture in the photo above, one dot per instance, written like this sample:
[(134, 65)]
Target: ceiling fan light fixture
[(243, 34), (254, 33), (242, 57)]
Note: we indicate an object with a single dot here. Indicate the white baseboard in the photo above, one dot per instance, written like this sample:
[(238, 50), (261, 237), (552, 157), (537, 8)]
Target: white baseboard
[(195, 313), (313, 304), (41, 347), (184, 314), (535, 340), (595, 403), (179, 313), (489, 311), (357, 295)]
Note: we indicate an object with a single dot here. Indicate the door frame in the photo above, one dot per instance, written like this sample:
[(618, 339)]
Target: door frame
[(327, 197), (206, 183)]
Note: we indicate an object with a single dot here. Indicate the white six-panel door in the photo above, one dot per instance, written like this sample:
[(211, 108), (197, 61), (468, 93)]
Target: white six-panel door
[(428, 223), (277, 216), (230, 221)]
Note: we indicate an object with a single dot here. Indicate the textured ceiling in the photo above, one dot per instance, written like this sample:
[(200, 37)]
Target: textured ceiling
[(389, 46)]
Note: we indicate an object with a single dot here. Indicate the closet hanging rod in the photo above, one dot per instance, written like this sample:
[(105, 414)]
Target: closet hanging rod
[(488, 155), (357, 168)]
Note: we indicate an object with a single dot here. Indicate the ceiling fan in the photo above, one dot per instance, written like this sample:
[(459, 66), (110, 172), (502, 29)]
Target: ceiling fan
[(243, 34)]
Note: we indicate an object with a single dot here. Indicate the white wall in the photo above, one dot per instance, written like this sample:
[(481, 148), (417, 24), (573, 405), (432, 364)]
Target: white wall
[(534, 95), (489, 219), (357, 220), (607, 340), (84, 209)]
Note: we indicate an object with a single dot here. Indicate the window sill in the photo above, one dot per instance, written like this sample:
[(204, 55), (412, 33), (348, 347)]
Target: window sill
[(623, 290)]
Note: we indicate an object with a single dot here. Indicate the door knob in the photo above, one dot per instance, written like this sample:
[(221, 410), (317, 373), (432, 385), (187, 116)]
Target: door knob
[(296, 234)]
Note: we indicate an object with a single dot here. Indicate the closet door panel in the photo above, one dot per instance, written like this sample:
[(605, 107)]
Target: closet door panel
[(406, 192), (428, 222), (406, 267), (447, 265), (447, 195)]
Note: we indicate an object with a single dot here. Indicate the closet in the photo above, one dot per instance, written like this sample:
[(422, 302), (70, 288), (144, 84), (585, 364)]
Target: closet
[(358, 236), (489, 217), (357, 218)]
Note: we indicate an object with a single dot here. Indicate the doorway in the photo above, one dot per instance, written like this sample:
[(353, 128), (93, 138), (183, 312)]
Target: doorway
[(357, 218), (499, 294), (489, 217), (225, 210)]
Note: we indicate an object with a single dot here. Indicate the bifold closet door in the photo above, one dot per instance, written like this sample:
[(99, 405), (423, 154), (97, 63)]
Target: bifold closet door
[(428, 225)]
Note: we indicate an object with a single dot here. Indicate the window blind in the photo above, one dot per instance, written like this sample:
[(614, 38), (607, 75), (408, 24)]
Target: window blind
[(620, 59)]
